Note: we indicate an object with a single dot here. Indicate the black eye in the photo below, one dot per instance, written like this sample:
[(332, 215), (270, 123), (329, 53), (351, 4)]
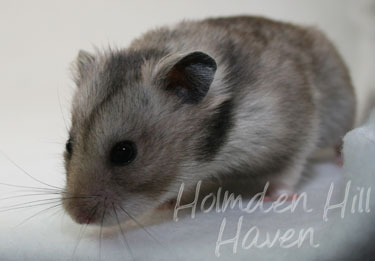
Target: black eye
[(123, 153), (69, 147)]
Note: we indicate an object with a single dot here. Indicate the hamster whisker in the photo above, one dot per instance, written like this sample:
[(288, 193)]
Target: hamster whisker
[(83, 230), (31, 202), (141, 226), (75, 197), (38, 213), (125, 242), (36, 188), (27, 174), (29, 206), (60, 210), (101, 229), (39, 191), (80, 236), (36, 203), (30, 195)]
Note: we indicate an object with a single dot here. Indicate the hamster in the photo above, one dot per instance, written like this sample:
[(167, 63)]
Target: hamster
[(220, 97)]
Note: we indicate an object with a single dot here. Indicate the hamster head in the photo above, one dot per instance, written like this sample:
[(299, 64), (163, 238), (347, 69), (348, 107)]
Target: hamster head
[(139, 122)]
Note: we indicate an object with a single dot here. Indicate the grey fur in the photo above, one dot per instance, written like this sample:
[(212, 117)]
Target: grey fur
[(280, 92)]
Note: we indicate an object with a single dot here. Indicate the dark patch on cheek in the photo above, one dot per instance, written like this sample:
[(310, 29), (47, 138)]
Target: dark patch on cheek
[(218, 128)]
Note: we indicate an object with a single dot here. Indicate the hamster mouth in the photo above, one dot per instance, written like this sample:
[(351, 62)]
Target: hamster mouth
[(101, 211), (82, 210), (83, 217)]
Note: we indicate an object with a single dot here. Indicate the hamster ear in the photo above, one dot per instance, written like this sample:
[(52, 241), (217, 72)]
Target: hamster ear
[(189, 76), (84, 62)]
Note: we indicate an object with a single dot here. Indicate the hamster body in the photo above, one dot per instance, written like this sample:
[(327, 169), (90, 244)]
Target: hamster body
[(218, 97)]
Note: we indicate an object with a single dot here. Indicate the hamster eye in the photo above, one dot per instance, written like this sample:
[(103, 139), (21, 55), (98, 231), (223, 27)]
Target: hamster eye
[(123, 153), (69, 147)]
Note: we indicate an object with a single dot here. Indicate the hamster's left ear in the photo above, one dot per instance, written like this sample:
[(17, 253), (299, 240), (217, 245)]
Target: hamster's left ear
[(84, 62), (188, 76)]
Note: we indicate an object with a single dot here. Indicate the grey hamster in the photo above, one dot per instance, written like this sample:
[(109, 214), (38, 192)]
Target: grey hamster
[(222, 96)]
